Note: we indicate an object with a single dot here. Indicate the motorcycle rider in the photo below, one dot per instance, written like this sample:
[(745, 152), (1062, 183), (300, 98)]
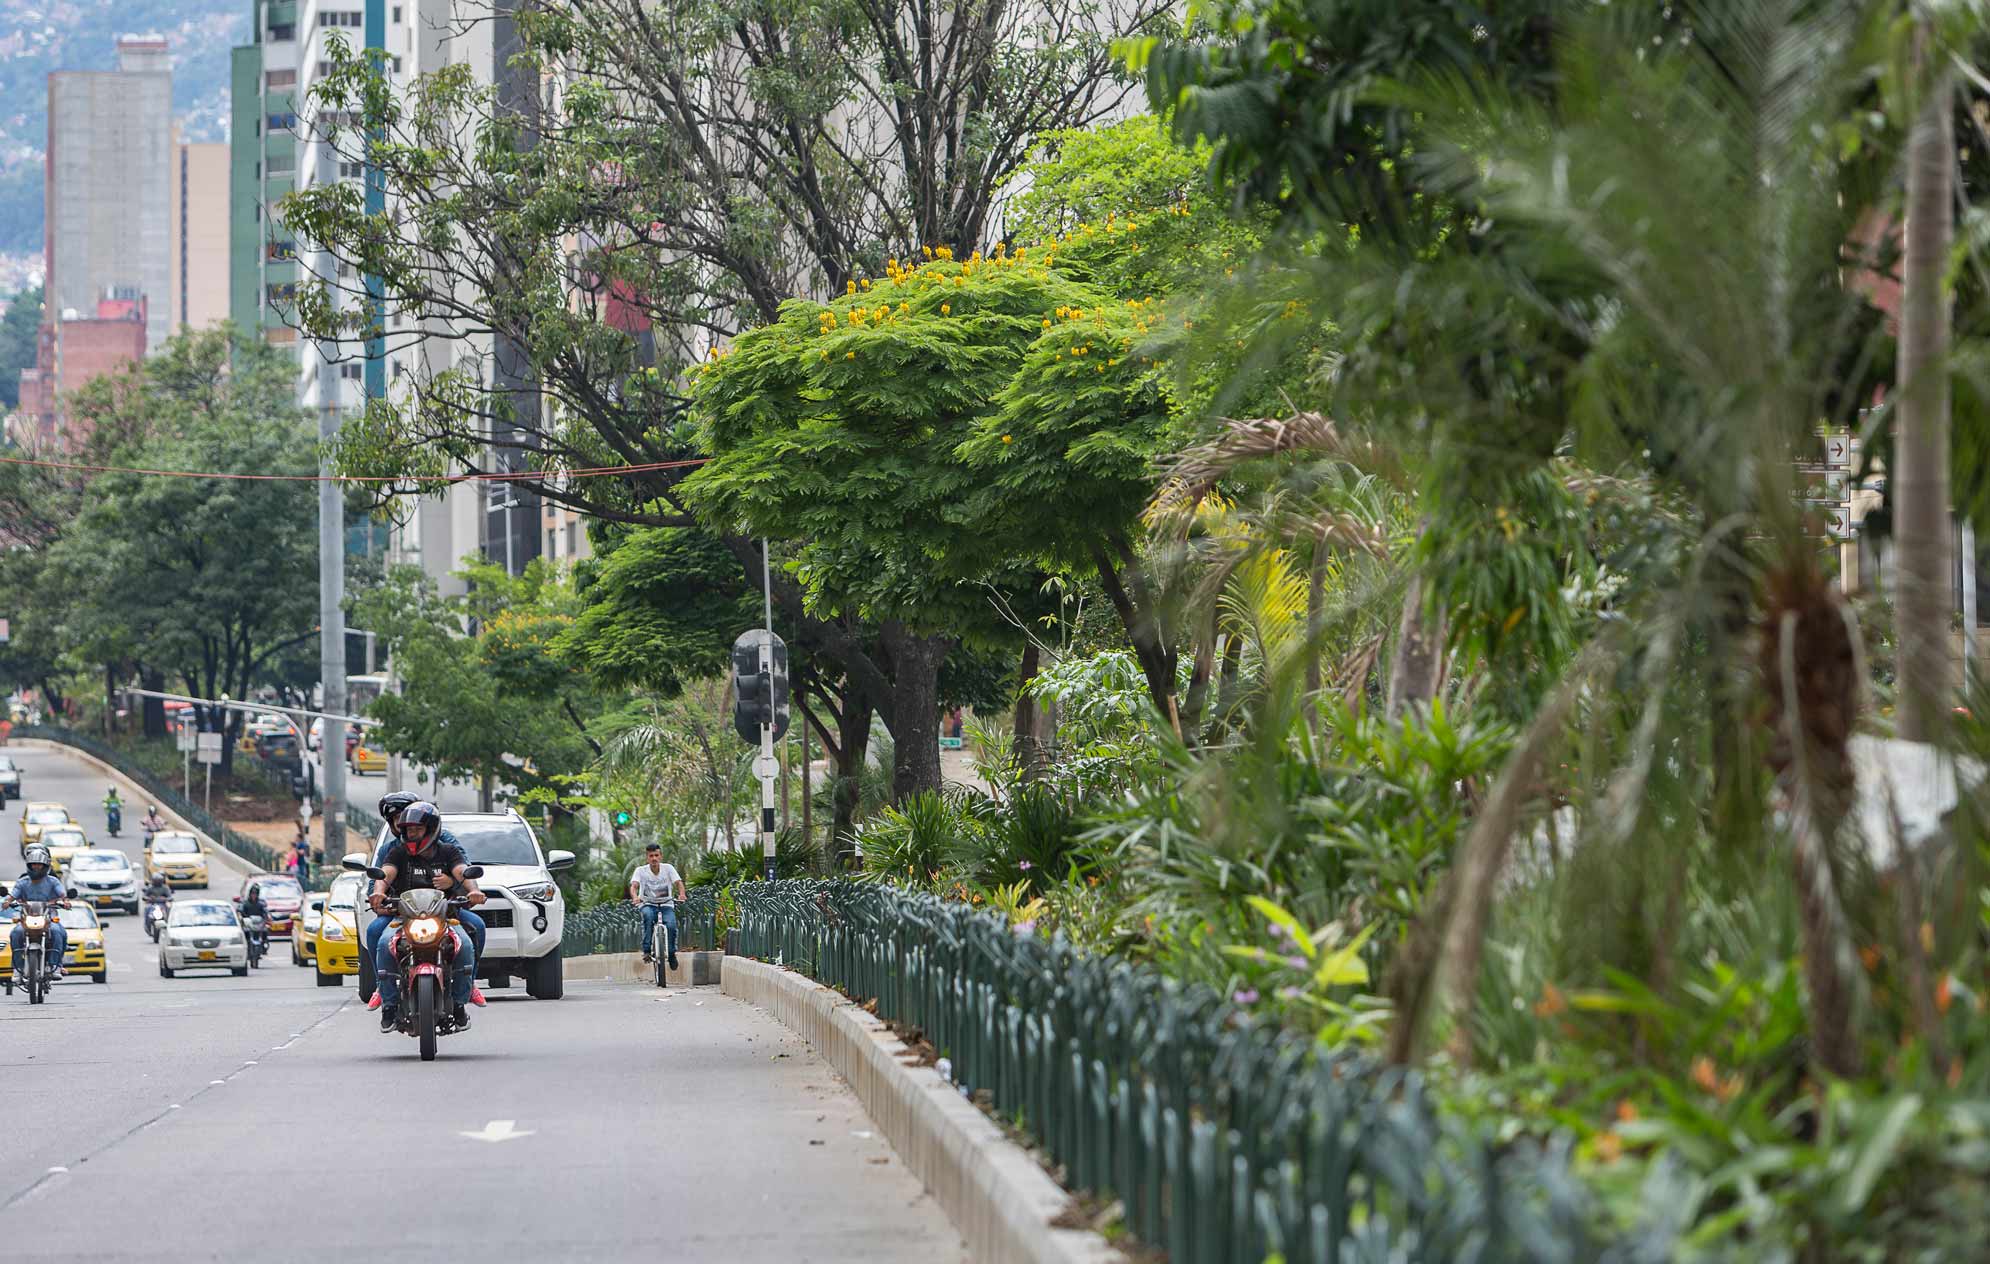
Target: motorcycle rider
[(39, 884), (158, 892), (153, 822), (114, 808), (253, 906), (419, 858), (391, 807)]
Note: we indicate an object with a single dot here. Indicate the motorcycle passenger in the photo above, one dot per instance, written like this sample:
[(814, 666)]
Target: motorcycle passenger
[(419, 858), (39, 884), (391, 807), (253, 906)]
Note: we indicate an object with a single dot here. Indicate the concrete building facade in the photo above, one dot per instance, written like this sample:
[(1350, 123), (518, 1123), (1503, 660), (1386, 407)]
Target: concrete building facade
[(109, 185), (262, 166), (198, 231)]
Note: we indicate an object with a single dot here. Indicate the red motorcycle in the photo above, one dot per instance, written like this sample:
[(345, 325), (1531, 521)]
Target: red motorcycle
[(425, 938)]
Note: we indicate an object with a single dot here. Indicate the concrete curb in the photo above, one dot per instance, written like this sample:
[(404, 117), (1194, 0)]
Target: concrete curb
[(139, 794), (627, 967), (998, 1197)]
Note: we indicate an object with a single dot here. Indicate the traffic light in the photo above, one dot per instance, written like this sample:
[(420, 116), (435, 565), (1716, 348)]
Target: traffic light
[(759, 697), (623, 817)]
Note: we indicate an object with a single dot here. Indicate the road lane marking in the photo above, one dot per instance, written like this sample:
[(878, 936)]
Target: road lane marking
[(497, 1130)]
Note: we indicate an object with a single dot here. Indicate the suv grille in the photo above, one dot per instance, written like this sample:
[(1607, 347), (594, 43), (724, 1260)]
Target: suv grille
[(495, 915)]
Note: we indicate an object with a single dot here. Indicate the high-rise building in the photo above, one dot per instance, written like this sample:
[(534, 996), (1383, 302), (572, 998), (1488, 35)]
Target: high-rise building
[(198, 231), (262, 166), (109, 186)]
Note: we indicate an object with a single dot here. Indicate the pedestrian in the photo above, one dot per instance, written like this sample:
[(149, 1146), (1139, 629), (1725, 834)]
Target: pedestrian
[(6, 727), (656, 887), (301, 855)]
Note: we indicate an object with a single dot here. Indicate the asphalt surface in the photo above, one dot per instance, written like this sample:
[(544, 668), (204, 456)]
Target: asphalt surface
[(212, 1118)]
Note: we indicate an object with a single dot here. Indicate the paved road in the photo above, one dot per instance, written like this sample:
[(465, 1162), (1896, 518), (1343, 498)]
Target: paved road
[(181, 1119)]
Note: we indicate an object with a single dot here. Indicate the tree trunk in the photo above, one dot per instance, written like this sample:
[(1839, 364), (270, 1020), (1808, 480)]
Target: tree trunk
[(915, 709), (808, 787), (1919, 492), (1031, 758), (110, 699), (486, 792), (854, 739), (155, 708), (1157, 658), (1418, 668)]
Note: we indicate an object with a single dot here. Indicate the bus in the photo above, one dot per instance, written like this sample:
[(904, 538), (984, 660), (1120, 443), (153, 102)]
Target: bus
[(360, 691)]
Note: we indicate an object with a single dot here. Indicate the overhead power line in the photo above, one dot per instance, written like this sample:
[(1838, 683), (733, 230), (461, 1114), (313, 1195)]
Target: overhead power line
[(502, 476)]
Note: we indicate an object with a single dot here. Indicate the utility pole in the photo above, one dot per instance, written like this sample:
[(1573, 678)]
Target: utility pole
[(765, 764), (331, 635)]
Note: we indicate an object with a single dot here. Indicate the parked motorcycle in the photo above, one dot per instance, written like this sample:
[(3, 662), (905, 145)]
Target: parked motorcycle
[(155, 917), (425, 938), (256, 931), (31, 964)]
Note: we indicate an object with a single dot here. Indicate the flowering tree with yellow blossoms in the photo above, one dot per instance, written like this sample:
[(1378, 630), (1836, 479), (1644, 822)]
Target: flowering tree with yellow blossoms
[(953, 425)]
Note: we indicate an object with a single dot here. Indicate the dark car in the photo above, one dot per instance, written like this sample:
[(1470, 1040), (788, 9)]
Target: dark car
[(279, 750), (281, 896)]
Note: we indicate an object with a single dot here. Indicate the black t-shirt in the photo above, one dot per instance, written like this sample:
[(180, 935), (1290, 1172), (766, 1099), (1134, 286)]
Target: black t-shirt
[(413, 871)]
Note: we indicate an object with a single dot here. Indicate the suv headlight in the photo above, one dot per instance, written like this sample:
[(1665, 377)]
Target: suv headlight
[(535, 890)]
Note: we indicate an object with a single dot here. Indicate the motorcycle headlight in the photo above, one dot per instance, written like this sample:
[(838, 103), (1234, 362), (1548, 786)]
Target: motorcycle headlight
[(332, 930), (35, 923), (424, 930), (535, 891)]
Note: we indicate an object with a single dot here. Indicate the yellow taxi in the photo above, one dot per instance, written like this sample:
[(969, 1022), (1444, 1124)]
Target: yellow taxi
[(85, 955), (176, 856), (368, 759), (63, 842), (36, 817), (335, 943)]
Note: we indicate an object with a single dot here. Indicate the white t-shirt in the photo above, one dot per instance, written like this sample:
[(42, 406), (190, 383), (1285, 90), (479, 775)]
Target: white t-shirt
[(658, 886)]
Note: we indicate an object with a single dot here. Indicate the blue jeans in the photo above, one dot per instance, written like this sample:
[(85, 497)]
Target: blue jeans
[(387, 971), (58, 943), (652, 914), (473, 924)]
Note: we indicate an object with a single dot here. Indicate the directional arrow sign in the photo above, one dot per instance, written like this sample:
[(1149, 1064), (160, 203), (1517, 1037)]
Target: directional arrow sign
[(1840, 450), (497, 1130)]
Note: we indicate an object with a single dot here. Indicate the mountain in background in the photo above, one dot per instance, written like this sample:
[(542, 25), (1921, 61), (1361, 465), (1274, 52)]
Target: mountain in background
[(37, 36)]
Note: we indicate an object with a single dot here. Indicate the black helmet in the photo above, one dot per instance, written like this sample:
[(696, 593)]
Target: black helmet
[(392, 805), (423, 815)]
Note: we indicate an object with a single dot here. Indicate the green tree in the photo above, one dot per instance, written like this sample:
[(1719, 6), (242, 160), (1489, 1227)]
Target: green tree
[(212, 577), (20, 331)]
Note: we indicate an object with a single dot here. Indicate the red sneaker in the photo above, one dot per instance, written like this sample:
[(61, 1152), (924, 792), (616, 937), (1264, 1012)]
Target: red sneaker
[(374, 1003), (476, 995)]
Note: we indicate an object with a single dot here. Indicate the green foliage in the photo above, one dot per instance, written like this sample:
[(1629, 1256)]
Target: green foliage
[(20, 331), (866, 428), (663, 605), (916, 842)]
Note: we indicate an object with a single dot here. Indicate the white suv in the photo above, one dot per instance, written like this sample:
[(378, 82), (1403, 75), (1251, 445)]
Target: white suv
[(524, 911)]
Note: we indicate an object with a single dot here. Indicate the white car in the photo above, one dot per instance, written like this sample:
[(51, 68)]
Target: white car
[(203, 935), (103, 879), (524, 913)]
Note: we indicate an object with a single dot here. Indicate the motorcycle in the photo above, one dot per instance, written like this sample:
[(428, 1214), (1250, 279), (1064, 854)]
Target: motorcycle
[(155, 917), (31, 964), (255, 932), (425, 938), (115, 815)]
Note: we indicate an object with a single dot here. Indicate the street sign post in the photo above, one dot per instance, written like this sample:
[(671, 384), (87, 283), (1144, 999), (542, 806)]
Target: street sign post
[(184, 736), (207, 750)]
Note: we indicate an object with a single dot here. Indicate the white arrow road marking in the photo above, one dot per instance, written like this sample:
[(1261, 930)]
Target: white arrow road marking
[(497, 1130)]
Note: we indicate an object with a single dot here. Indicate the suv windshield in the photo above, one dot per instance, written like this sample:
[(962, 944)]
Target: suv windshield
[(173, 845), (100, 860), (7, 763), (201, 915), (495, 842)]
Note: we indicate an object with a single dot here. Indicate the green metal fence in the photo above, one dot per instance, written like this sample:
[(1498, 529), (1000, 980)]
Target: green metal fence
[(263, 857), (1226, 1139)]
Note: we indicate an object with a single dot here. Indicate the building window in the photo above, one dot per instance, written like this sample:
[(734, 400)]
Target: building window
[(282, 164), (397, 14), (282, 292), (283, 34), (351, 372), (280, 79), (282, 251), (282, 122), (340, 19), (573, 538), (552, 542), (351, 170)]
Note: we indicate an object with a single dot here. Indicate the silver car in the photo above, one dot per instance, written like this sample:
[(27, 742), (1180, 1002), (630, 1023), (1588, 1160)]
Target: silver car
[(103, 879), (10, 778), (203, 935)]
